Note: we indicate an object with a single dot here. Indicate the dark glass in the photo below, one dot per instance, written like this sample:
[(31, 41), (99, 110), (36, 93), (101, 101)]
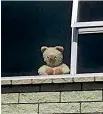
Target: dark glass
[(28, 25), (90, 11), (90, 53)]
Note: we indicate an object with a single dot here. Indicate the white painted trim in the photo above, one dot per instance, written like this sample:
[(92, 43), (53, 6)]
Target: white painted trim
[(52, 76), (89, 74), (74, 41), (74, 12), (35, 77), (88, 24), (90, 30)]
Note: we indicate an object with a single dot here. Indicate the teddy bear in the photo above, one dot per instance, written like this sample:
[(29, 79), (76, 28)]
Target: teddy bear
[(53, 57)]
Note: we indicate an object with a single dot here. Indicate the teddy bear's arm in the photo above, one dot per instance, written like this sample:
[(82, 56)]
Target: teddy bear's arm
[(65, 69), (41, 70)]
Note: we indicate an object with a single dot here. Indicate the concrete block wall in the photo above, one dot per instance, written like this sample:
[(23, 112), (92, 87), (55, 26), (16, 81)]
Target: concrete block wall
[(53, 98)]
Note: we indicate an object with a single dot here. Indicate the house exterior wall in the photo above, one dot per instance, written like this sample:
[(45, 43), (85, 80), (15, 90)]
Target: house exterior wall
[(52, 98)]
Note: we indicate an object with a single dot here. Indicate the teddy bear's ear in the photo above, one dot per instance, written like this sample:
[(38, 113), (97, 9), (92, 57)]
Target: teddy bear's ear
[(43, 48), (60, 48)]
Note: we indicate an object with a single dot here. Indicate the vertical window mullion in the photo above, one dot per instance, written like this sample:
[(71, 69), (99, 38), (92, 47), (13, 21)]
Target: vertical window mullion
[(74, 42), (74, 12), (74, 39)]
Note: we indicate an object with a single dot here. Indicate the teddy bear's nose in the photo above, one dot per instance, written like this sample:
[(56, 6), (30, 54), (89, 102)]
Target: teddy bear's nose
[(51, 57)]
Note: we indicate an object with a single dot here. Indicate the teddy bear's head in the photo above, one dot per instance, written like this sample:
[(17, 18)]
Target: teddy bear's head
[(53, 56)]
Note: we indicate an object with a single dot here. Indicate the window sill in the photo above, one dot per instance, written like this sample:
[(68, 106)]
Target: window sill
[(51, 79)]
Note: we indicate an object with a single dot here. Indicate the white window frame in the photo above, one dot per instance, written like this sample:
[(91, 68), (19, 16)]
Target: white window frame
[(77, 28), (81, 28)]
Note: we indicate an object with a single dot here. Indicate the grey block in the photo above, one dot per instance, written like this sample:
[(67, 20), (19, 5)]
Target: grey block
[(50, 87), (62, 80), (60, 108), (9, 98), (20, 88), (39, 97), (81, 96), (5, 82), (18, 82), (61, 87), (92, 107), (70, 86), (99, 78), (92, 86), (83, 79), (41, 81), (19, 109)]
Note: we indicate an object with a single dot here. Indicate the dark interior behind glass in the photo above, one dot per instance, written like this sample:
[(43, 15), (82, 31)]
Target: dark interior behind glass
[(26, 26), (90, 11), (90, 53)]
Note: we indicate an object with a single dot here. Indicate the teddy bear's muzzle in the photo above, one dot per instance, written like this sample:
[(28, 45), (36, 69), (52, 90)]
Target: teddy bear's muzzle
[(51, 58)]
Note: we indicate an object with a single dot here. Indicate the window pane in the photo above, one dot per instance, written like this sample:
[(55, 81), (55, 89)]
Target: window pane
[(90, 11), (26, 26), (90, 53)]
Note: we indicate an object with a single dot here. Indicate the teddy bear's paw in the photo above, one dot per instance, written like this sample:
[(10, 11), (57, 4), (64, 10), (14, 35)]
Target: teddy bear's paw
[(49, 71), (58, 71)]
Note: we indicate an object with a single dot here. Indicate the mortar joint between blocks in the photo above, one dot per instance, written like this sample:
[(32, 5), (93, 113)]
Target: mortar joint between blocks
[(18, 97)]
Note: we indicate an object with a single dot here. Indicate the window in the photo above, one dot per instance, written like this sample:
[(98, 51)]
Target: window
[(87, 37), (89, 53), (76, 25), (90, 11), (28, 25)]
